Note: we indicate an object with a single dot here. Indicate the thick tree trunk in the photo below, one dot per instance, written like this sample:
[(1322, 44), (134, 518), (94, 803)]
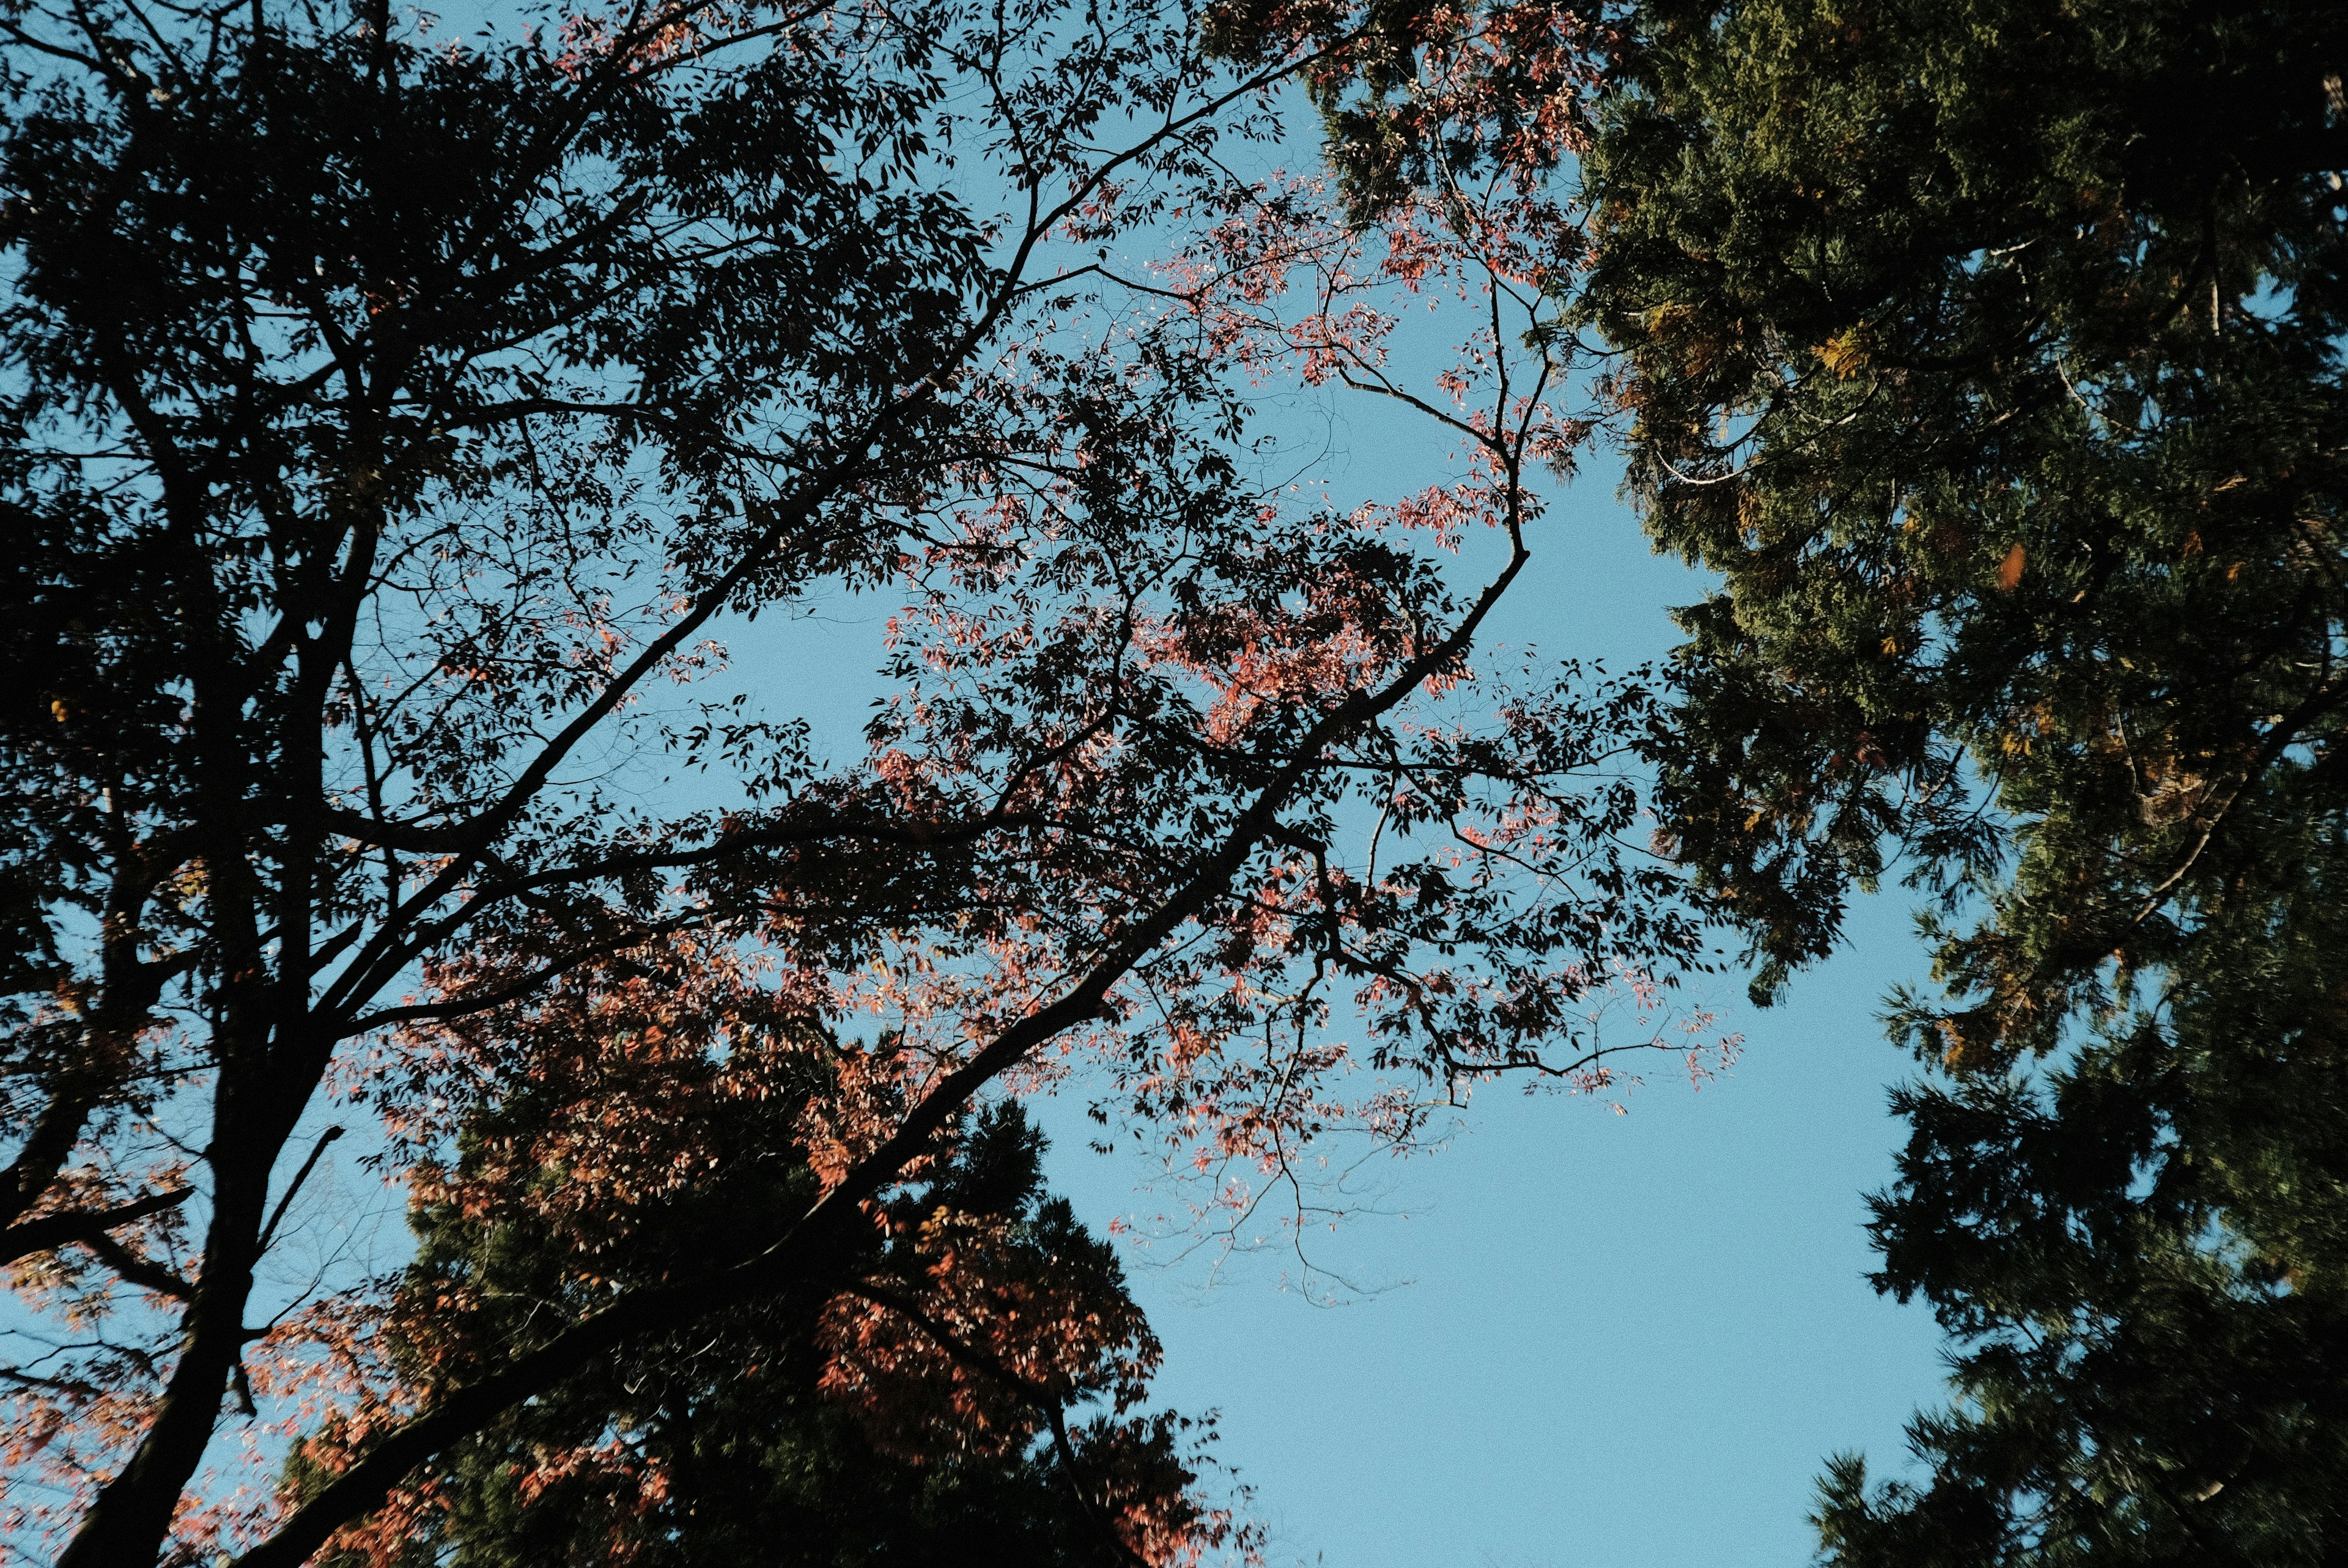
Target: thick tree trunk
[(130, 1522)]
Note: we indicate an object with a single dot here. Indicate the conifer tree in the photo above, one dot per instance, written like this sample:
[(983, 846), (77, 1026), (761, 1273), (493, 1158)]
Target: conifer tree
[(926, 1418), (1990, 353)]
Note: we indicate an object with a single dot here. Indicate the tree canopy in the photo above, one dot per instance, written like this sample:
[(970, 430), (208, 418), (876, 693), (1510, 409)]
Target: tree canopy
[(398, 427), (1991, 353)]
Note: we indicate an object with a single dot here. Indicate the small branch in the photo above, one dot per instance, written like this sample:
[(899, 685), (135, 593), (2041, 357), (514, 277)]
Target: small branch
[(143, 1272), (300, 1176)]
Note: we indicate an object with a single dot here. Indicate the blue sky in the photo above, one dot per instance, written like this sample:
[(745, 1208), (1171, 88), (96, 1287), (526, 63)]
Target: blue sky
[(1617, 1341)]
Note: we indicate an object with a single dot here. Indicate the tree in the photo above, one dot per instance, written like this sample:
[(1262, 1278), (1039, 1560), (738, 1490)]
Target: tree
[(1992, 356), (395, 426), (923, 1417)]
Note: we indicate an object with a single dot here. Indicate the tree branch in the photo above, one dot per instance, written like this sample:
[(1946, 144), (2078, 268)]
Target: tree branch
[(85, 1226)]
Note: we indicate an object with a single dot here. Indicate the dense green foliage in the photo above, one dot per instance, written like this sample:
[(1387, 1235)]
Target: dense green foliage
[(1990, 353)]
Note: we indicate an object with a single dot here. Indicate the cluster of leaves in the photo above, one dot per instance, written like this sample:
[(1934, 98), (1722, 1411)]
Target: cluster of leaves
[(1991, 353), (393, 429)]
